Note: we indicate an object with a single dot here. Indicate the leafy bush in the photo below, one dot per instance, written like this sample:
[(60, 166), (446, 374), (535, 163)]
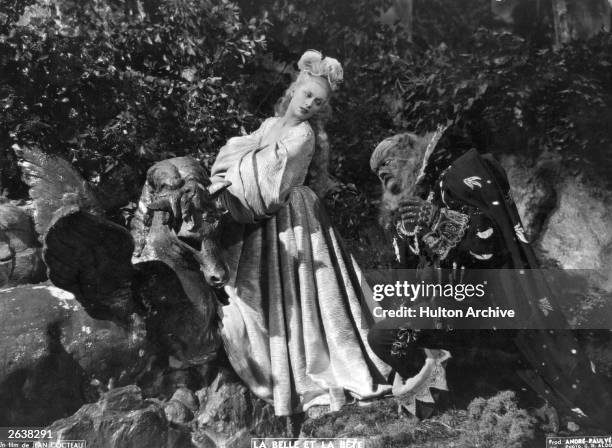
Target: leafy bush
[(112, 82), (510, 97)]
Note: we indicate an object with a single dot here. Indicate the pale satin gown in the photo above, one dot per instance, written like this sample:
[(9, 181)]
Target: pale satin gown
[(295, 329)]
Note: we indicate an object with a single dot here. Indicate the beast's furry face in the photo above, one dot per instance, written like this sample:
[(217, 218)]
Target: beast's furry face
[(397, 160)]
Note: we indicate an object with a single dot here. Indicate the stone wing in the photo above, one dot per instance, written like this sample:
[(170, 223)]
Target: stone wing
[(91, 257), (85, 253), (53, 183)]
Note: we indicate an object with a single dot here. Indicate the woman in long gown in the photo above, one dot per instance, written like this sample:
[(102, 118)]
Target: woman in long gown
[(295, 328)]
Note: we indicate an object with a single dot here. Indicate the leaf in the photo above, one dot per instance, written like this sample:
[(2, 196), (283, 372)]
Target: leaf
[(189, 74)]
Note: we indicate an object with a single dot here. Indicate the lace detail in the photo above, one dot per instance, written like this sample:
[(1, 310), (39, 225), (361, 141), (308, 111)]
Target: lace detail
[(447, 232), (403, 338)]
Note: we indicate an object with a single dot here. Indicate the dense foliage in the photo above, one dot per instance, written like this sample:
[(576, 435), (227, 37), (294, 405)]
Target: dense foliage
[(511, 97), (104, 83)]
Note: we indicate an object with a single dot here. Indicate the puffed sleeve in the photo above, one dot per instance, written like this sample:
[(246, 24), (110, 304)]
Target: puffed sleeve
[(275, 169), (296, 150), (263, 177), (236, 147)]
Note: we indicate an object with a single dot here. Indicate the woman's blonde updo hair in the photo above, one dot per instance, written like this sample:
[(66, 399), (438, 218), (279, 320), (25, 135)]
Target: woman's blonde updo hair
[(314, 64)]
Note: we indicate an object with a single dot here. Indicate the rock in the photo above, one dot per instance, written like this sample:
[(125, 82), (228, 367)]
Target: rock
[(186, 397), (209, 439), (176, 412), (20, 252), (202, 440), (229, 412), (121, 419), (578, 233), (224, 403), (532, 186), (567, 217), (122, 399), (167, 380), (53, 350)]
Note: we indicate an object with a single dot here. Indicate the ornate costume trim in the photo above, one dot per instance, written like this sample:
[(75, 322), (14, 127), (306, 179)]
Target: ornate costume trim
[(406, 234), (447, 232), (520, 233), (403, 338), (473, 181), (481, 256), (545, 306), (396, 250), (485, 234)]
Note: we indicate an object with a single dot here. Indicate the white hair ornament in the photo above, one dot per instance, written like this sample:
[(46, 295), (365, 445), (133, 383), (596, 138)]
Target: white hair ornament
[(314, 63)]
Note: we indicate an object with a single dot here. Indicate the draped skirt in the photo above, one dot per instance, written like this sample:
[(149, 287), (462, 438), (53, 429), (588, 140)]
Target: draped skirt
[(295, 329)]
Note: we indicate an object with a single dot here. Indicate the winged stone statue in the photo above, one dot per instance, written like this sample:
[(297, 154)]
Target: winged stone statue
[(158, 280)]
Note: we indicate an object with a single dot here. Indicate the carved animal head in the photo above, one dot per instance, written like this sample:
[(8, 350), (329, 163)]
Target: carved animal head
[(181, 192)]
